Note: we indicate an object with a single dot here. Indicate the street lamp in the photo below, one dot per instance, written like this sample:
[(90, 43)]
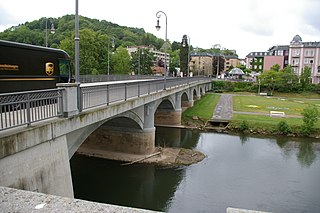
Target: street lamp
[(52, 30), (112, 45), (140, 51), (158, 15), (76, 39), (218, 46), (184, 45)]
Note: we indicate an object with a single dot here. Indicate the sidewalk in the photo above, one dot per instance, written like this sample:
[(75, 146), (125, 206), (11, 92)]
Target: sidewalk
[(223, 110)]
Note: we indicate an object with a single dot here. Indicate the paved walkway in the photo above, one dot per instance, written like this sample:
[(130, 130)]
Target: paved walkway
[(223, 110)]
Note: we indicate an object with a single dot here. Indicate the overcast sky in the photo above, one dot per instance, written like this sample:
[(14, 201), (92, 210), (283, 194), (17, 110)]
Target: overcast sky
[(243, 25)]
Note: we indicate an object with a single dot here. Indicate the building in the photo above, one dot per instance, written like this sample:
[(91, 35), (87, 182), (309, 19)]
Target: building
[(201, 64), (255, 61), (231, 61), (158, 57), (277, 55), (302, 54), (298, 54)]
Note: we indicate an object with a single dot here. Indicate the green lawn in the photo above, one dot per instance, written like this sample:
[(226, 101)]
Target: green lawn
[(261, 104), (204, 107)]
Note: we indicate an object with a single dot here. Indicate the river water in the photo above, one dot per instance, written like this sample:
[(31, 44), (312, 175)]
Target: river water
[(276, 174)]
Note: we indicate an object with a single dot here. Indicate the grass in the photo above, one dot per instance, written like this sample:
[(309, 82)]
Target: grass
[(270, 123), (260, 104), (203, 108)]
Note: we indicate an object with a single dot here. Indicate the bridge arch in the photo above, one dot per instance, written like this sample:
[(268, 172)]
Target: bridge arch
[(186, 101), (168, 112)]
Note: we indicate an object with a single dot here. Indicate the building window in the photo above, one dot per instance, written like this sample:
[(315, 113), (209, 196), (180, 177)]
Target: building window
[(309, 52), (295, 52), (295, 62), (255, 67), (318, 69), (260, 67), (306, 61)]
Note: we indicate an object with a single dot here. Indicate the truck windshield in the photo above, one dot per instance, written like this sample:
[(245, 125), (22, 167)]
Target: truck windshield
[(65, 71)]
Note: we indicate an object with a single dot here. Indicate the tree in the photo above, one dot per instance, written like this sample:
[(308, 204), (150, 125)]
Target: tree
[(143, 60), (275, 67), (184, 56), (289, 81), (121, 61), (174, 61), (215, 64), (305, 77), (271, 80)]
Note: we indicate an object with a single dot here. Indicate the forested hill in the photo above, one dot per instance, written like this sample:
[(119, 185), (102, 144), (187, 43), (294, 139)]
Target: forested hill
[(34, 32)]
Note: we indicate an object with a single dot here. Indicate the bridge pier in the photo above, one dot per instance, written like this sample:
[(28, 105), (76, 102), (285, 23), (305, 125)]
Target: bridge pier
[(168, 117), (121, 140)]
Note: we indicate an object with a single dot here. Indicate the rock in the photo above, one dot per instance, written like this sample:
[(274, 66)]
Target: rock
[(195, 118)]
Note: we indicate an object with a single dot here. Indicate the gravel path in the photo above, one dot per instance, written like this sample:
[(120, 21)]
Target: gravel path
[(223, 109)]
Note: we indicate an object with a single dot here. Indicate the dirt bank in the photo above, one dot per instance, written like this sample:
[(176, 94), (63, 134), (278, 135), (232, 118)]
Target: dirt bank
[(161, 156)]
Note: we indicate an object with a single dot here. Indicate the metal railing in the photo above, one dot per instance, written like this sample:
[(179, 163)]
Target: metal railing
[(107, 93), (24, 108)]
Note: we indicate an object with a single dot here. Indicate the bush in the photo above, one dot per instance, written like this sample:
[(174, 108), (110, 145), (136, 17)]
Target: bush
[(284, 128), (310, 117), (243, 126), (306, 129)]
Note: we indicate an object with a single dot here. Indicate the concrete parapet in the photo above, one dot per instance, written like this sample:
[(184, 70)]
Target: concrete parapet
[(13, 200)]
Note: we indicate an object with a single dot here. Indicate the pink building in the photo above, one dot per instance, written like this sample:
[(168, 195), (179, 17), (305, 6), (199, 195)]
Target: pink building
[(302, 54), (271, 60)]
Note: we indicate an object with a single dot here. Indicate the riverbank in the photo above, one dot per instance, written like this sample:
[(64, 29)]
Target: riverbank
[(235, 127), (251, 116)]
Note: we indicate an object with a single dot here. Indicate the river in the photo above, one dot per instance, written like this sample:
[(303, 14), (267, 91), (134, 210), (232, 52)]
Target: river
[(277, 174)]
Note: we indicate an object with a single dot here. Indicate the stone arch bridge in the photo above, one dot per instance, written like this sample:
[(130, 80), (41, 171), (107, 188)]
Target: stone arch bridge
[(36, 158)]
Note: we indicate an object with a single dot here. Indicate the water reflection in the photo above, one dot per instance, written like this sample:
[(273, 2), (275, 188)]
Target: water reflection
[(306, 155), (243, 138), (141, 186), (175, 137), (306, 150)]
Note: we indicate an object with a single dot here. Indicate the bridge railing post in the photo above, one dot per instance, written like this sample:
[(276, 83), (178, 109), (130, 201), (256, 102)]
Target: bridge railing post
[(108, 95), (28, 110), (70, 98), (125, 92)]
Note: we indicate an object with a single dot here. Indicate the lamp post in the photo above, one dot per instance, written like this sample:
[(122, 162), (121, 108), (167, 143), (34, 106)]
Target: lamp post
[(199, 62), (52, 30), (184, 45), (112, 45), (158, 15), (140, 51), (76, 39), (218, 46)]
